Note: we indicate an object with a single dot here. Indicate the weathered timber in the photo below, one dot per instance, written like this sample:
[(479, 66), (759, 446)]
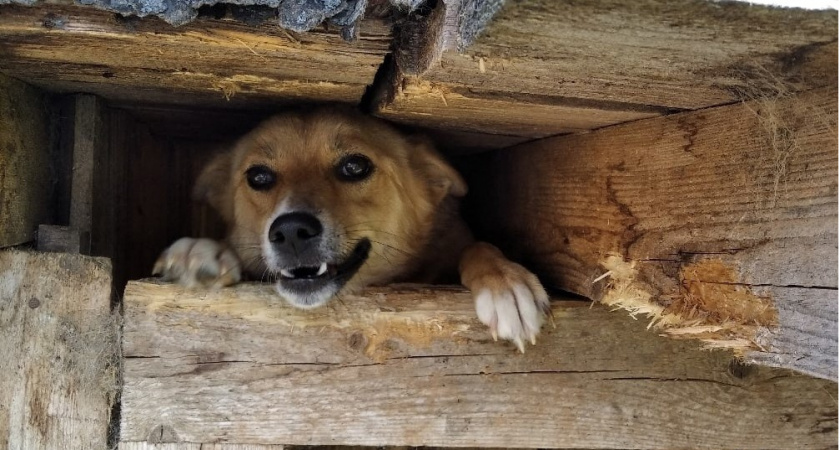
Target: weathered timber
[(410, 365), (194, 446), (55, 384), (56, 238), (208, 62), (89, 187), (25, 185), (543, 67), (721, 224)]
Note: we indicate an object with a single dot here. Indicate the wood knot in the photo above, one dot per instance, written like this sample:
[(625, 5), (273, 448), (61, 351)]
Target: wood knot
[(357, 341), (162, 434), (739, 369)]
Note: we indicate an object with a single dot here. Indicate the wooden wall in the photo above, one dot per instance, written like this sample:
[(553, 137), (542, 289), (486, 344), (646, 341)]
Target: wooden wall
[(26, 186), (412, 366), (541, 68), (59, 343), (688, 219)]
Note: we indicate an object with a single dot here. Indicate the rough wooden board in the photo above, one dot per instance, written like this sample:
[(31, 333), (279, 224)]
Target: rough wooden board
[(152, 175), (192, 446), (114, 207), (806, 339), (212, 61), (571, 60), (56, 238), (88, 184), (50, 305), (670, 192), (25, 186), (219, 126), (460, 109), (411, 363)]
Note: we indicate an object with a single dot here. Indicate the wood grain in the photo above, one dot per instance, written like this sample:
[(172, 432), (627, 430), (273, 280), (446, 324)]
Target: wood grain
[(90, 187), (752, 185), (25, 187), (193, 446), (52, 308), (410, 365), (55, 238), (212, 62), (546, 68)]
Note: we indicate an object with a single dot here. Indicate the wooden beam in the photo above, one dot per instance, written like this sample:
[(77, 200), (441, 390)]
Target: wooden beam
[(89, 188), (59, 343), (56, 238), (194, 446), (25, 186), (208, 62), (411, 366), (543, 68), (103, 140), (706, 221)]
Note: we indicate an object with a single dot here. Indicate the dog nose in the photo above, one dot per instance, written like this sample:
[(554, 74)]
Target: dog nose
[(295, 230)]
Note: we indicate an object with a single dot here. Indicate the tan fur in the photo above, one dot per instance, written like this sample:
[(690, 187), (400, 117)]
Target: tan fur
[(396, 208), (408, 207)]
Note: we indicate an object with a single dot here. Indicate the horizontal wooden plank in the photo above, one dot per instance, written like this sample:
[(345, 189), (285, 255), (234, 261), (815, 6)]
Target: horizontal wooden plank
[(546, 68), (56, 238), (59, 343), (25, 187), (684, 214), (64, 47), (460, 109), (410, 365), (193, 446)]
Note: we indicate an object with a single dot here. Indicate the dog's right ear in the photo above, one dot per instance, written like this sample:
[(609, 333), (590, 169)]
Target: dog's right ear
[(213, 185)]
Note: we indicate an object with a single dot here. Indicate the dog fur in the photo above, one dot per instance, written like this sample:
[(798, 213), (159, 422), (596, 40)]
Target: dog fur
[(397, 222)]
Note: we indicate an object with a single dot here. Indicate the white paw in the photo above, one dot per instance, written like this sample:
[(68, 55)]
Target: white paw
[(513, 304), (198, 262)]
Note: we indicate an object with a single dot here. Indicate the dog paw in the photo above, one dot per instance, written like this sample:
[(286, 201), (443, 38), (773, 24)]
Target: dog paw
[(512, 302), (198, 262)]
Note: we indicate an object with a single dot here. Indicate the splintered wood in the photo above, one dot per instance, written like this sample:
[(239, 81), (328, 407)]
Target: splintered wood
[(58, 343), (544, 67), (411, 366), (65, 47), (718, 224)]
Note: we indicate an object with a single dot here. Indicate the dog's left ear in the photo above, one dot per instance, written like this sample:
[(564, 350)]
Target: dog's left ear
[(442, 178), (213, 185)]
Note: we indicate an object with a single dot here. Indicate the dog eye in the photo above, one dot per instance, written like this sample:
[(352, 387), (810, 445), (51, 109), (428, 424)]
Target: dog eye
[(260, 178), (354, 168)]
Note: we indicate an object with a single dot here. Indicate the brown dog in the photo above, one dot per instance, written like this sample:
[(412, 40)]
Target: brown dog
[(330, 201)]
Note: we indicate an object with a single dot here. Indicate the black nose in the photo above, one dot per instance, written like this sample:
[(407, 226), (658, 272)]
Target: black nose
[(296, 231)]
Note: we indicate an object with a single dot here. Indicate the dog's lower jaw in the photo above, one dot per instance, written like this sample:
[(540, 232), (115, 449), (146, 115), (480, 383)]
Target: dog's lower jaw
[(307, 300)]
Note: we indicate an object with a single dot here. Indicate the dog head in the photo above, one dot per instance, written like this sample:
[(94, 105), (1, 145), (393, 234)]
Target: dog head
[(328, 201)]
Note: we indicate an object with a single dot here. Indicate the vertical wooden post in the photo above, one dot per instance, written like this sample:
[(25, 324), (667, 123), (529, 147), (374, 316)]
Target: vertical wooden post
[(89, 181), (58, 342), (24, 161)]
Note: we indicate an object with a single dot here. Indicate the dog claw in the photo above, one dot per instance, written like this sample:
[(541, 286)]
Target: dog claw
[(533, 339), (495, 335), (519, 344)]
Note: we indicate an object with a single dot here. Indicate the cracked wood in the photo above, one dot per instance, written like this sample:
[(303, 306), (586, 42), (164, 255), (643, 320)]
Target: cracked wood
[(412, 363), (544, 67), (753, 186), (224, 63)]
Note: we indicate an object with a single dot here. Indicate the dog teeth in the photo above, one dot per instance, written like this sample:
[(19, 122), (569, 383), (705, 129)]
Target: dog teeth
[(304, 272)]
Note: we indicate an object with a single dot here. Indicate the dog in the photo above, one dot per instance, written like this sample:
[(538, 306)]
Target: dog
[(329, 200)]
